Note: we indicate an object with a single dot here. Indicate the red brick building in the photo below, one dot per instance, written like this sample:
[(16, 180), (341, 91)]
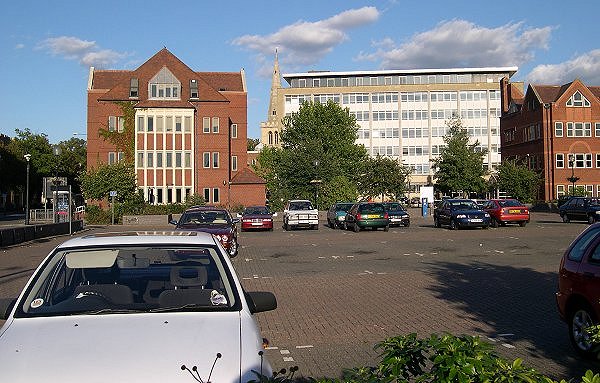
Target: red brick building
[(190, 130), (554, 130)]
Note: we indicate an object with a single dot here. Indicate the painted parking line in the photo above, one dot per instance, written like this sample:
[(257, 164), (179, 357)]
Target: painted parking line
[(305, 346)]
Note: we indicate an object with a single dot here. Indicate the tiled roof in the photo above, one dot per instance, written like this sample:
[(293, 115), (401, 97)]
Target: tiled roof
[(223, 81), (549, 93), (247, 176), (595, 90)]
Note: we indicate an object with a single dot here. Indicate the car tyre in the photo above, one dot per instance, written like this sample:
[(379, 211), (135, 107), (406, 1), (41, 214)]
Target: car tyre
[(407, 224), (579, 319), (565, 218), (386, 228), (494, 223), (233, 250), (315, 227), (356, 228), (591, 219), (436, 222), (453, 225), (286, 227), (522, 223)]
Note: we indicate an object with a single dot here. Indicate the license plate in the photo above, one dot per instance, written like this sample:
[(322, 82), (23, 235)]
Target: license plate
[(373, 216), (256, 223), (514, 211), (476, 220)]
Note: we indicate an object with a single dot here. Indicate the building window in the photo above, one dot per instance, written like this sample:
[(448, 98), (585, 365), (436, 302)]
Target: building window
[(159, 123), (206, 125), (560, 190), (159, 160), (215, 162), (120, 156), (558, 129), (579, 129), (140, 127), (276, 138), (193, 89), (270, 138), (188, 124), (578, 100), (206, 193), (215, 124), (233, 130), (560, 160), (159, 198), (582, 160), (164, 86), (187, 160), (169, 124), (150, 160), (140, 163), (206, 160), (178, 124), (234, 163), (216, 196), (111, 157), (178, 159), (150, 123), (178, 195), (133, 87), (597, 130), (589, 190), (598, 160), (169, 159)]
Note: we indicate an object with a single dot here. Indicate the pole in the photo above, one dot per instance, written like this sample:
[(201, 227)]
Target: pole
[(27, 194), (112, 208), (70, 213)]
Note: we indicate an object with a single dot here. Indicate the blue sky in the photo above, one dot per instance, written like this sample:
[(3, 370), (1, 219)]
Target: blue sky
[(47, 47)]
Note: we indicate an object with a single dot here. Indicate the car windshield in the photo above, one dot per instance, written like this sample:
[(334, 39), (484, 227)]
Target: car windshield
[(371, 208), (343, 207), (463, 205), (131, 279), (205, 217), (509, 203), (393, 206), (595, 202), (259, 210), (300, 205)]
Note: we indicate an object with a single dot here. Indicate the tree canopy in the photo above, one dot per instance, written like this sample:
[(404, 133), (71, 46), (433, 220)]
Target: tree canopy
[(459, 168), (383, 176), (518, 181), (120, 177)]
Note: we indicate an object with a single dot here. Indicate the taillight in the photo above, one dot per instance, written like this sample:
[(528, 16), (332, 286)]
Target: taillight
[(358, 217), (386, 216)]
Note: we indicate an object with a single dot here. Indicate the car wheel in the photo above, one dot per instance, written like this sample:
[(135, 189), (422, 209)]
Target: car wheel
[(356, 227), (591, 219), (332, 225), (565, 218), (436, 222), (494, 223), (233, 250), (407, 224), (580, 319), (315, 227), (344, 226), (453, 225), (286, 227), (386, 228), (522, 223)]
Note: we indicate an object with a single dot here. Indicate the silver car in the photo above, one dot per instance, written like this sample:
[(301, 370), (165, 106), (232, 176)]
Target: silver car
[(134, 307)]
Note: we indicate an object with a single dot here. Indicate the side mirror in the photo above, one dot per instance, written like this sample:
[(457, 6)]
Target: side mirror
[(172, 222), (7, 304), (260, 301)]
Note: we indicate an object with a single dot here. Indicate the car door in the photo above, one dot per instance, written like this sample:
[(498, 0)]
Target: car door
[(588, 275), (569, 208), (444, 214), (580, 209)]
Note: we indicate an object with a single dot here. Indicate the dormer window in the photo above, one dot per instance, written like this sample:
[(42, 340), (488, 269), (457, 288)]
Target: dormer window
[(193, 89), (578, 100), (133, 87), (164, 86)]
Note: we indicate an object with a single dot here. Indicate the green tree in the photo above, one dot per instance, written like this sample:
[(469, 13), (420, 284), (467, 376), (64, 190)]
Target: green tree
[(318, 144), (459, 168), (251, 143), (120, 177), (518, 181), (383, 176), (72, 161)]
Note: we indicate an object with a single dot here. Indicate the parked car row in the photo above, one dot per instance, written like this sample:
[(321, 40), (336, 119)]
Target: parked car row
[(460, 213), (362, 215)]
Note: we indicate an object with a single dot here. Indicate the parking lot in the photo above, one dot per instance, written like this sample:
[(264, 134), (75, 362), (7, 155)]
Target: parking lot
[(340, 292)]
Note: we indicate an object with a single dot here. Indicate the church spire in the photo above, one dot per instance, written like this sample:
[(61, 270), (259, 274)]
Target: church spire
[(275, 86)]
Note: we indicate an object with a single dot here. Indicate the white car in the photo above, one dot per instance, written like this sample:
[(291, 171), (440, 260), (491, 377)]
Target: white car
[(300, 213), (134, 307)]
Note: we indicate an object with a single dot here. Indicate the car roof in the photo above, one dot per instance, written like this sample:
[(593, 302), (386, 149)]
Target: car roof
[(133, 238), (204, 207)]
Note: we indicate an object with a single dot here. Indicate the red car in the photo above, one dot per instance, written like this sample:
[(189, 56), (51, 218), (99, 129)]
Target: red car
[(578, 296), (503, 211), (257, 217)]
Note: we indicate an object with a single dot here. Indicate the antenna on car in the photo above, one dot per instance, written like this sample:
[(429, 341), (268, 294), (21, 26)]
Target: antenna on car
[(197, 377)]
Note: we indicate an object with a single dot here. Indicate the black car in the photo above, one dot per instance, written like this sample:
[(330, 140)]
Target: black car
[(459, 213), (580, 209), (397, 214), (213, 220)]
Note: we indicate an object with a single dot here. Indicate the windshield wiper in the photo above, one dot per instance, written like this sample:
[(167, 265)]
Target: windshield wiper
[(112, 311), (183, 307)]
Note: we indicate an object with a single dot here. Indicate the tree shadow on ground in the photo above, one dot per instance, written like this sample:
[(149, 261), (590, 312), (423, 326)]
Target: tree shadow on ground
[(511, 300)]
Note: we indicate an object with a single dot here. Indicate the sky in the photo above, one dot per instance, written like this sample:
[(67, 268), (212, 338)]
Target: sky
[(47, 47)]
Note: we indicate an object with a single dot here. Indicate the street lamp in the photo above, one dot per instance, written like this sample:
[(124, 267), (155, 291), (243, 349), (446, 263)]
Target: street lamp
[(27, 157), (316, 182), (56, 151), (572, 179)]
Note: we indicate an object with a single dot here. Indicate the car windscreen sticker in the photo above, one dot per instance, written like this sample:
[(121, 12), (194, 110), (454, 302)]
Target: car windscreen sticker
[(216, 298), (36, 303)]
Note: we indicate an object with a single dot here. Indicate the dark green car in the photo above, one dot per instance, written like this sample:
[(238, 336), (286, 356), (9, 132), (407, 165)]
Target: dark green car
[(364, 215), (336, 215)]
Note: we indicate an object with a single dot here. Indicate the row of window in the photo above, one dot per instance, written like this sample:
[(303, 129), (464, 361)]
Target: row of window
[(392, 97), (273, 138), (562, 190), (177, 160), (164, 123), (466, 78), (576, 129), (576, 160), (180, 195)]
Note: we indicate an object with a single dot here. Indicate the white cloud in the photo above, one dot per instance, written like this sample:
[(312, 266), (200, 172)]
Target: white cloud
[(19, 46), (460, 43), (304, 43), (88, 53), (585, 67)]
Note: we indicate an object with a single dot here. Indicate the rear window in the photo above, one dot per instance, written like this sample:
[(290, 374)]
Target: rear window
[(371, 208), (510, 203), (343, 207), (578, 248), (393, 206)]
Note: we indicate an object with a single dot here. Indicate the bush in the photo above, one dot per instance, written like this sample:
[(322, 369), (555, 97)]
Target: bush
[(96, 216)]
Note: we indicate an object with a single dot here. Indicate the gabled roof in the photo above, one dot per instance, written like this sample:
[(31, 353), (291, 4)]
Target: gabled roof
[(247, 176), (548, 93), (210, 84)]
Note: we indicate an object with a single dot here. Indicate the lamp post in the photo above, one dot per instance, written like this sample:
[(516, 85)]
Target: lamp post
[(316, 182), (27, 157), (572, 179), (56, 151)]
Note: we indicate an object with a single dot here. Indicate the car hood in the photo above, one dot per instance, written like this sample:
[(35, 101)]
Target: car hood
[(210, 228), (121, 348)]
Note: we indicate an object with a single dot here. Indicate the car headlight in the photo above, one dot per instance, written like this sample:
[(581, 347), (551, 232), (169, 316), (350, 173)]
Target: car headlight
[(343, 217), (461, 216), (598, 212), (486, 215)]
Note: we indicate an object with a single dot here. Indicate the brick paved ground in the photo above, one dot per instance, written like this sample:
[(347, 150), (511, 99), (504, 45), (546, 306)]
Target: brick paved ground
[(340, 292)]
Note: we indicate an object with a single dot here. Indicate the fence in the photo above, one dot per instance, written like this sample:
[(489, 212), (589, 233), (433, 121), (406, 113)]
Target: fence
[(16, 235)]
